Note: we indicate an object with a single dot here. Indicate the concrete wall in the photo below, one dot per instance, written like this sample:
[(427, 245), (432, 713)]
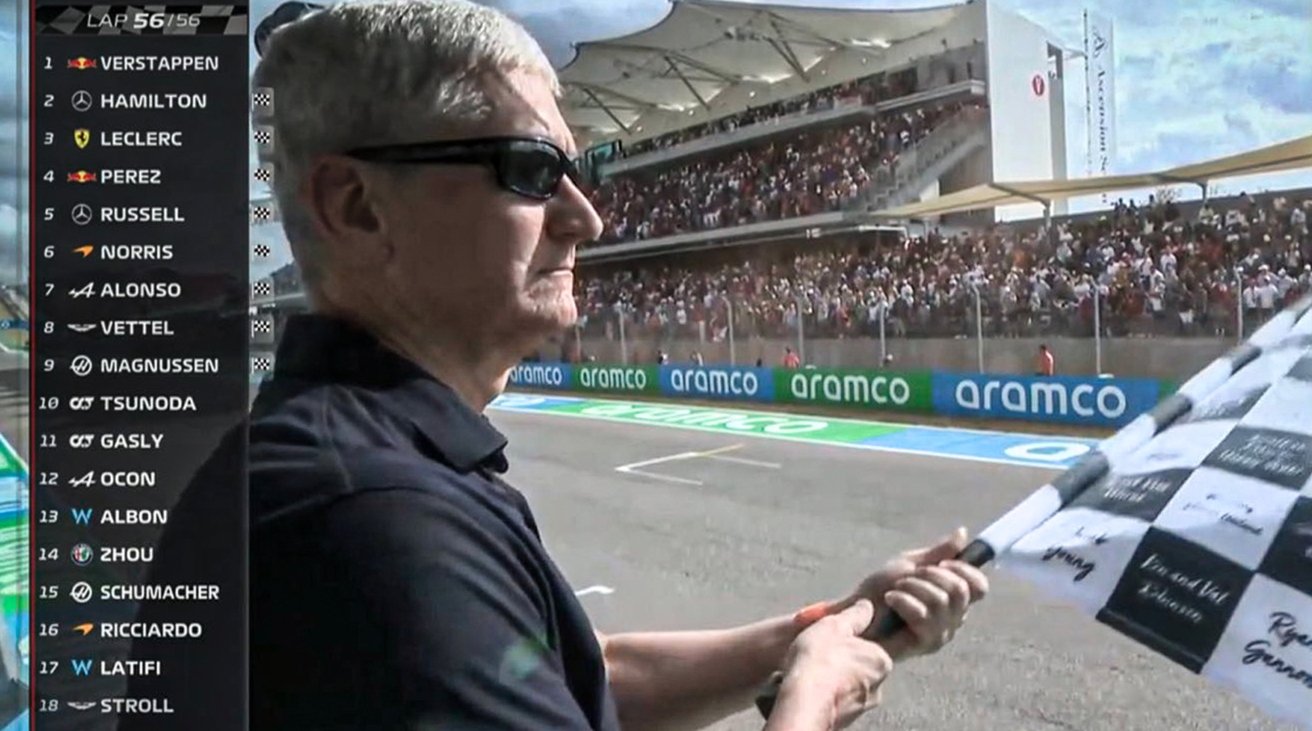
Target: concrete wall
[(1173, 358)]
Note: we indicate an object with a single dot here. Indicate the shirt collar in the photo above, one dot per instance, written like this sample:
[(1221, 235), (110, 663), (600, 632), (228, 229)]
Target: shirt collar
[(324, 348)]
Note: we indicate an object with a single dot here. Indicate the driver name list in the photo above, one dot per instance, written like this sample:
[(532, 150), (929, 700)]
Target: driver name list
[(141, 336)]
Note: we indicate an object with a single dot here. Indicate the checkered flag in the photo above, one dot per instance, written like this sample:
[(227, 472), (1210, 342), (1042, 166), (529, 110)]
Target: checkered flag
[(262, 104), (262, 288), (262, 251), (263, 136), (262, 325), (261, 364), (1190, 529), (264, 173), (263, 211)]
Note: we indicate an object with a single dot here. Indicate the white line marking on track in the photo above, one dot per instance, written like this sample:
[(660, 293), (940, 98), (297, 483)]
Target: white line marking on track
[(631, 469), (595, 589), (749, 462), (657, 476)]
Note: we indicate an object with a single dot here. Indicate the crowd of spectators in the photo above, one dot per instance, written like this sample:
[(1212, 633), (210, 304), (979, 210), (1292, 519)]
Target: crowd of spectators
[(804, 173), (1155, 272), (858, 91)]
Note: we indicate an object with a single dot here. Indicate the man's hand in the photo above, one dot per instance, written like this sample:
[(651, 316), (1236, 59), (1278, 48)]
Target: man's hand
[(930, 590), (831, 675)]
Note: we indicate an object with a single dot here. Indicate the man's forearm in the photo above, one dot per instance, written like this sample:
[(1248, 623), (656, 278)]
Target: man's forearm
[(682, 680)]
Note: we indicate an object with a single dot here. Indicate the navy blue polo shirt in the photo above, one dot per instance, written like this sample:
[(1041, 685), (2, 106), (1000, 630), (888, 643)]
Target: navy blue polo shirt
[(396, 581)]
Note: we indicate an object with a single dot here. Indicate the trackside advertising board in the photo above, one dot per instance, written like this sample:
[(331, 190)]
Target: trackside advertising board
[(617, 379), (1087, 401), (853, 388), (718, 382), (1104, 402), (557, 376)]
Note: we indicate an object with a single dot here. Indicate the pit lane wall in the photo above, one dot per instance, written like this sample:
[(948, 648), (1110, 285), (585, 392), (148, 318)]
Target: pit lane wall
[(1103, 402)]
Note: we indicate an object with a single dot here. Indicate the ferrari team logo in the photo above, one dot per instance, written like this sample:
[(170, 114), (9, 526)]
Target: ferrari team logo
[(82, 137)]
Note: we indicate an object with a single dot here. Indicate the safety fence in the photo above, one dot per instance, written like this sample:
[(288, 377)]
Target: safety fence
[(1103, 402)]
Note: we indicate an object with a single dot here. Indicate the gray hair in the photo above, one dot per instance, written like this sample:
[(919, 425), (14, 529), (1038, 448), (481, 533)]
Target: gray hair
[(376, 72)]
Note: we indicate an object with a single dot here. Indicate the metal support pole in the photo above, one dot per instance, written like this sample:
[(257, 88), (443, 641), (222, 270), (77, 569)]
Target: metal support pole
[(883, 346), (979, 329), (1239, 300), (801, 338), (624, 343), (1097, 327), (728, 308)]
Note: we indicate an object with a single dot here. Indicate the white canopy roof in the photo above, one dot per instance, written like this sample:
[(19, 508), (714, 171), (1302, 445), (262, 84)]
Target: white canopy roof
[(1295, 154), (703, 47)]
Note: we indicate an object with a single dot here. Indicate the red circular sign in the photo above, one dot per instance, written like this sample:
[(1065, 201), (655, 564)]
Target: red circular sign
[(1038, 84)]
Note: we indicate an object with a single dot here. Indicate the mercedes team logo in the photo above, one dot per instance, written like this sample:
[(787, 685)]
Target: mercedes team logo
[(82, 100), (81, 214)]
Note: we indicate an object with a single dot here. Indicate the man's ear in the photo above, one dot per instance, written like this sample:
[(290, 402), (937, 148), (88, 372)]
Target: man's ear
[(343, 200)]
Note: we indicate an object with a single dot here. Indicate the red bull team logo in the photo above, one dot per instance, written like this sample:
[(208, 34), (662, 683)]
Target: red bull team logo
[(81, 176), (82, 63)]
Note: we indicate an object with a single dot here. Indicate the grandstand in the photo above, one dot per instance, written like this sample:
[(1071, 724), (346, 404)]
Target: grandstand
[(762, 167)]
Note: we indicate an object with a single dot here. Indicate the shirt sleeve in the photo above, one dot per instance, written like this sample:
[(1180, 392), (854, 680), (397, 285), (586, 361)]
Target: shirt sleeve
[(452, 588)]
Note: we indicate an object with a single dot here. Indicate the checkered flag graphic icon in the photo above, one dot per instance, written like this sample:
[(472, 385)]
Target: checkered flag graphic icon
[(262, 326), (264, 173), (262, 104), (261, 364), (263, 137), (262, 288), (262, 251), (263, 212)]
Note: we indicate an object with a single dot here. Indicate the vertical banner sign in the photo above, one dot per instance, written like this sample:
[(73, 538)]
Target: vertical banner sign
[(1100, 94), (140, 349)]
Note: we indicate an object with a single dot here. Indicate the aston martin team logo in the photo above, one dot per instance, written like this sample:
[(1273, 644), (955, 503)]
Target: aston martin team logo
[(82, 137)]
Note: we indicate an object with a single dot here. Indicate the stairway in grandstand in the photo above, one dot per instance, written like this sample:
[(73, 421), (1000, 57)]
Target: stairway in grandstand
[(931, 158)]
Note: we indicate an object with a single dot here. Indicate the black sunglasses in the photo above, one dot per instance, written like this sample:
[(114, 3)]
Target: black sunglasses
[(527, 166)]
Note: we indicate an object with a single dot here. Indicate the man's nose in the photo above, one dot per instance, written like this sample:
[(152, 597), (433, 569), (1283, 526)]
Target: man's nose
[(571, 215)]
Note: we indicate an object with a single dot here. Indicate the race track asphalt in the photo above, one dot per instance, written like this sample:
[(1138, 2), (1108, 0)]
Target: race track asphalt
[(754, 540)]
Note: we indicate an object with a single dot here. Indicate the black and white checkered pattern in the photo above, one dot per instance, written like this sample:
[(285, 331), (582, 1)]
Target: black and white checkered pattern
[(1190, 530), (100, 20), (263, 212), (261, 364), (262, 251), (262, 326), (262, 288), (262, 98), (264, 173)]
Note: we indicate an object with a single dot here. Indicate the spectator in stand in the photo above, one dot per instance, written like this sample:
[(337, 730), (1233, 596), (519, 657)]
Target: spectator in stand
[(791, 360), (815, 170), (1045, 365)]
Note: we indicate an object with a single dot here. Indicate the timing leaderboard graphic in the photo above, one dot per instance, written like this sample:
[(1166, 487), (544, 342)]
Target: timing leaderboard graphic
[(140, 346)]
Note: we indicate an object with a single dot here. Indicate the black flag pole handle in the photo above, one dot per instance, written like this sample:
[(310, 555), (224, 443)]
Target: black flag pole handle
[(976, 553)]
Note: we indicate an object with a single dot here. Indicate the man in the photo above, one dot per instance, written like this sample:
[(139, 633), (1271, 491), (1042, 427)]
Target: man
[(397, 582), (1045, 364)]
